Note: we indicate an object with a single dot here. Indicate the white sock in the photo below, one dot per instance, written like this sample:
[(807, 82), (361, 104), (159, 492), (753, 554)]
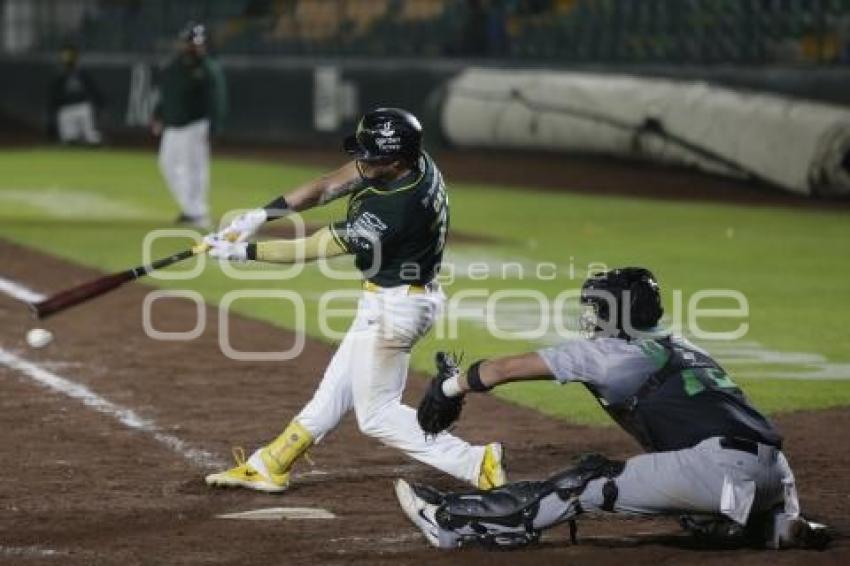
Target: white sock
[(256, 462)]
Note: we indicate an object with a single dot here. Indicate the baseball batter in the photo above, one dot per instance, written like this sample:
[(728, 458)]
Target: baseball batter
[(711, 458), (396, 225), (193, 102)]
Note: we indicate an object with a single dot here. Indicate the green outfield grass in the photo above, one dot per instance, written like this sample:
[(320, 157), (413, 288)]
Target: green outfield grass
[(95, 208)]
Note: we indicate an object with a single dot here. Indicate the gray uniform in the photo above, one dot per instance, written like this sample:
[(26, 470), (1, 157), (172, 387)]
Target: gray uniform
[(710, 454), (714, 476)]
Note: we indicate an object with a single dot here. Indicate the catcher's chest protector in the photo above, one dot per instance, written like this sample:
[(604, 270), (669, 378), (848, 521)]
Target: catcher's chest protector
[(690, 399)]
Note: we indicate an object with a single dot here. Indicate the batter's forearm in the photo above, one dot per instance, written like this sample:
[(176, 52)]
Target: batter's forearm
[(319, 191), (324, 189), (320, 245)]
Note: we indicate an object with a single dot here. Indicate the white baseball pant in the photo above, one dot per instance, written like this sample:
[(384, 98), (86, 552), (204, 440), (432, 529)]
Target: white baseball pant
[(184, 160), (75, 122), (369, 371)]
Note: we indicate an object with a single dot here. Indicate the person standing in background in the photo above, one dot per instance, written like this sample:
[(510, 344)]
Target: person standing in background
[(74, 101), (192, 106)]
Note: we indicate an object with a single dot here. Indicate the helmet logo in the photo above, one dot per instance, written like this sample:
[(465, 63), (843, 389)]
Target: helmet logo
[(386, 129)]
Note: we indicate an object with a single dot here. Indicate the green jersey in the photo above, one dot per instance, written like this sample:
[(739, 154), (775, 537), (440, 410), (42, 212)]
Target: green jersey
[(397, 231), (192, 89)]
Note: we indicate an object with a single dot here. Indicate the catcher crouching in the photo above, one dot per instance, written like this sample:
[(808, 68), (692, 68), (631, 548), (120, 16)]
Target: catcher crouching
[(711, 458)]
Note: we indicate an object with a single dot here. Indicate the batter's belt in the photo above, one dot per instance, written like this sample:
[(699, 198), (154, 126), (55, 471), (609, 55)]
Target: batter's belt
[(411, 289)]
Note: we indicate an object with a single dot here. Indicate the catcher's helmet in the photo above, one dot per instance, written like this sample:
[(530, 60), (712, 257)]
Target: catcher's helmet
[(386, 134), (194, 33), (621, 300)]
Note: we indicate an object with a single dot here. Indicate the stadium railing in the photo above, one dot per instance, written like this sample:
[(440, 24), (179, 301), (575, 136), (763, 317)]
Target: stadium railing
[(554, 31)]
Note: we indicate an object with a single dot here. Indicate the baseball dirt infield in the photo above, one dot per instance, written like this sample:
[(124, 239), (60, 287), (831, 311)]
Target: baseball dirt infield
[(80, 486)]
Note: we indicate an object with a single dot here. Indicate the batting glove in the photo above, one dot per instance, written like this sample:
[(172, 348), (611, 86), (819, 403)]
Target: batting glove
[(244, 226), (226, 250)]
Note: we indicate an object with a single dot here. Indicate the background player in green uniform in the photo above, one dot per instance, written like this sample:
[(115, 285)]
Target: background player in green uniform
[(193, 102), (74, 102), (396, 228)]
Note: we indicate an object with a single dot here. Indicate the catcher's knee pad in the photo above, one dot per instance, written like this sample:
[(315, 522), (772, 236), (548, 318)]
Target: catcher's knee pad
[(589, 467), (572, 482)]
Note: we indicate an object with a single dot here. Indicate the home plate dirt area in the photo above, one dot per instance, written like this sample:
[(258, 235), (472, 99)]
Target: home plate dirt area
[(107, 434)]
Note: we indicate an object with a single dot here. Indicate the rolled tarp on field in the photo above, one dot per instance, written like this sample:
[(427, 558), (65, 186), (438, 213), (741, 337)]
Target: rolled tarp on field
[(796, 145)]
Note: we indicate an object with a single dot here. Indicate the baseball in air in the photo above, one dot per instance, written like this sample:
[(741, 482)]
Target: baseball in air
[(39, 337)]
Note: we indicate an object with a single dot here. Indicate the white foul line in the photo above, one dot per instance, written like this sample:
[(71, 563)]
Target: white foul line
[(18, 291), (127, 417), (29, 551)]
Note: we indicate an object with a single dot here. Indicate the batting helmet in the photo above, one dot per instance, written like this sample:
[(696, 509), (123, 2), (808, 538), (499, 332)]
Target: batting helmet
[(386, 134), (194, 33), (621, 300)]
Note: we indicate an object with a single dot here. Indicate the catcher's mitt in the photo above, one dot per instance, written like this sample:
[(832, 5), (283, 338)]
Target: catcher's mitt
[(437, 412)]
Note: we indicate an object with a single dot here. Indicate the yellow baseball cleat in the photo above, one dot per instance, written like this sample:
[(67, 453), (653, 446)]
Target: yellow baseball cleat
[(268, 468), (492, 474), (245, 475)]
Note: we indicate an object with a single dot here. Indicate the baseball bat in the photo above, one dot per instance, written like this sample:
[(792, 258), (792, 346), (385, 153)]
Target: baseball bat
[(102, 285)]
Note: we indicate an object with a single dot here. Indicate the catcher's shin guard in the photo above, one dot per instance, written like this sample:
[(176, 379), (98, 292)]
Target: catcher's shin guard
[(501, 517), (280, 454), (515, 514)]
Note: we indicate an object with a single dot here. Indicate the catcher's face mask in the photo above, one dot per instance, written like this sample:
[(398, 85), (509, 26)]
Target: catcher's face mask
[(625, 301), (599, 311), (588, 320)]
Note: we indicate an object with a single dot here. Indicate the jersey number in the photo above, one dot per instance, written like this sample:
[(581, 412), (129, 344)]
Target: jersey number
[(441, 207), (695, 380)]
